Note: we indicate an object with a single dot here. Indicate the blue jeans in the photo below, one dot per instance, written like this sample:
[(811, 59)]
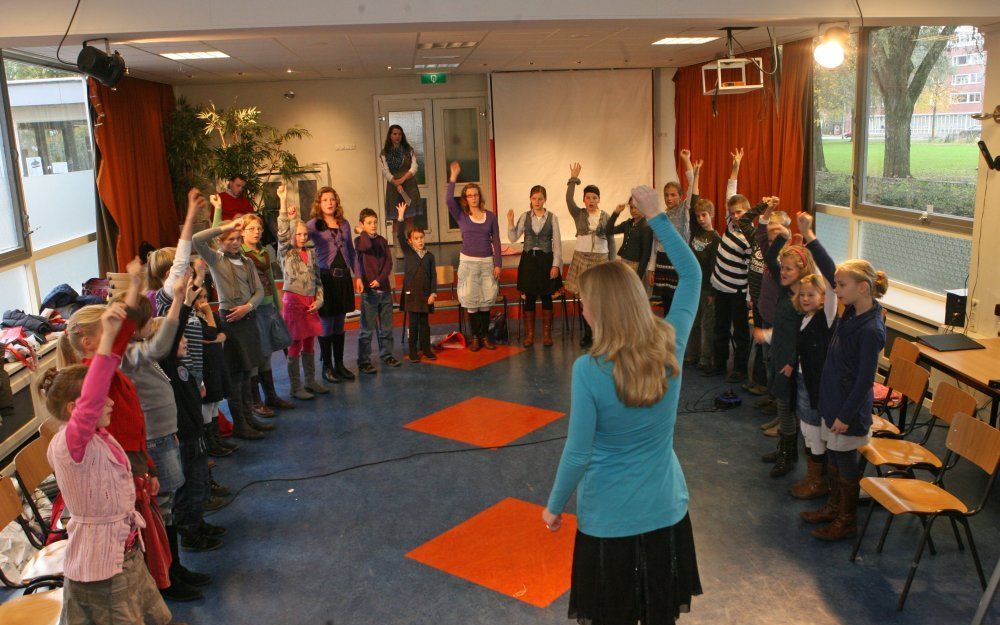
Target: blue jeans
[(189, 507), (376, 315), (166, 457)]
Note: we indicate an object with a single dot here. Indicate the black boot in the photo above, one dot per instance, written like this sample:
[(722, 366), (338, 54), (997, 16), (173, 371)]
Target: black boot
[(772, 456), (338, 358), (179, 589), (249, 417), (788, 455), (215, 449), (193, 540), (271, 398), (242, 429), (326, 355), (214, 434)]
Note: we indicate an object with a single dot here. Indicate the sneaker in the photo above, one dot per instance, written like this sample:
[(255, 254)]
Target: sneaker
[(367, 367), (199, 542), (214, 503), (180, 591), (190, 577), (391, 361), (771, 432), (214, 531)]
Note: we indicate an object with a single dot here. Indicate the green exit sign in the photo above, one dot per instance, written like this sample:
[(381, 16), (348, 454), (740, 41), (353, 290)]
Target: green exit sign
[(433, 79)]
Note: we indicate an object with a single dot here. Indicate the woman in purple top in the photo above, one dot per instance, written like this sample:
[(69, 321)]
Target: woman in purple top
[(479, 260), (331, 235)]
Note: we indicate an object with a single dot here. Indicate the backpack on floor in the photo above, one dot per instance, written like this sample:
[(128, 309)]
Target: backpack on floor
[(498, 328)]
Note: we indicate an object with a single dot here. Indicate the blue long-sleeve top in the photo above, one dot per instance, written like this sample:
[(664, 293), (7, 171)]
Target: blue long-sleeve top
[(621, 459), (328, 241), (479, 240), (845, 390)]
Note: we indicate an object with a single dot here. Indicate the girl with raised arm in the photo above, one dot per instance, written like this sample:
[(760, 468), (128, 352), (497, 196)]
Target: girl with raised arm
[(539, 274), (634, 557), (479, 260)]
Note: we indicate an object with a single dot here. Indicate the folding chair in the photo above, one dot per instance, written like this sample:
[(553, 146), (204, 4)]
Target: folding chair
[(45, 568), (901, 350), (968, 438), (31, 468), (911, 380)]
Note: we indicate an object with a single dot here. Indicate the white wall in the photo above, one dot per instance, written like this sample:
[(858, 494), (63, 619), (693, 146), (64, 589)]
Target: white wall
[(336, 112), (664, 126), (984, 278)]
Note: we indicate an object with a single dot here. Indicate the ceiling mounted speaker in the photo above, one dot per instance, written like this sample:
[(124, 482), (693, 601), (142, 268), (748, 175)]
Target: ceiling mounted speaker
[(104, 67)]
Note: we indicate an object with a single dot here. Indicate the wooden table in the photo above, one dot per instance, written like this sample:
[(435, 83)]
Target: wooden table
[(975, 367)]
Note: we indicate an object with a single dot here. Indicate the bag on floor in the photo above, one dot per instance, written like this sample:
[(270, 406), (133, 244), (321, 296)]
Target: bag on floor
[(452, 340), (281, 339), (498, 328)]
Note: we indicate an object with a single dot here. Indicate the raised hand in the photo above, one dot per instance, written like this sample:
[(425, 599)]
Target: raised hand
[(400, 211), (215, 200), (292, 212), (510, 216), (282, 192), (737, 155), (620, 208), (574, 170), (195, 201), (772, 202), (646, 201), (200, 268), (134, 269), (697, 166), (805, 221), (454, 169), (686, 155)]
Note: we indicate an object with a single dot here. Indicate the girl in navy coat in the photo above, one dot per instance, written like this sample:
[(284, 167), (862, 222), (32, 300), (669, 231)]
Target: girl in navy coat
[(845, 392)]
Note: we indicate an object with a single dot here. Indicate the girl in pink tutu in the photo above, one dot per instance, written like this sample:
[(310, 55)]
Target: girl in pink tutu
[(303, 296)]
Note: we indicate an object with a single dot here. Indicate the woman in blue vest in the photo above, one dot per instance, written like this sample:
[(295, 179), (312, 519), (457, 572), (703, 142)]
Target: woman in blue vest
[(539, 274), (634, 556)]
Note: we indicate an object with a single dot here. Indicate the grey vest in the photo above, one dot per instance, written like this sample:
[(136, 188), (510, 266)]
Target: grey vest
[(542, 240)]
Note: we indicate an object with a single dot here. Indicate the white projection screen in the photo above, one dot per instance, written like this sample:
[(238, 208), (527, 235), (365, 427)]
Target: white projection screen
[(543, 121)]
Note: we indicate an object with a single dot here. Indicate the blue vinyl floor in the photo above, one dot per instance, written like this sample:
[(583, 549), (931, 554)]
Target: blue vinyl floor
[(332, 550)]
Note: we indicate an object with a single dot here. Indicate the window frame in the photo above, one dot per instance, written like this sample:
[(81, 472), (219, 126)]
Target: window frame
[(860, 212), (27, 257), (10, 166)]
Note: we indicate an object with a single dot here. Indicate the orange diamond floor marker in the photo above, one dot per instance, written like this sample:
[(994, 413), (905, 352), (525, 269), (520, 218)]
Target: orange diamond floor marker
[(469, 361), (484, 422), (508, 549)]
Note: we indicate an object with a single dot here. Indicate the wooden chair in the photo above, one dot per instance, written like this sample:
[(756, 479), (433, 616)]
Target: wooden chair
[(118, 283), (31, 468), (41, 608), (906, 456), (43, 568), (445, 276), (968, 438), (911, 380), (901, 350)]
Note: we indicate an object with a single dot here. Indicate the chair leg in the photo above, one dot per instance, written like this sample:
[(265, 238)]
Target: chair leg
[(958, 536), (861, 534), (975, 552), (885, 533), (930, 541), (916, 561)]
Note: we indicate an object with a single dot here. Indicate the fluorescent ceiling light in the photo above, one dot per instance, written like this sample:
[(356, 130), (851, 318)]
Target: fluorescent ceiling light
[(446, 45), (680, 41), (436, 65), (190, 56)]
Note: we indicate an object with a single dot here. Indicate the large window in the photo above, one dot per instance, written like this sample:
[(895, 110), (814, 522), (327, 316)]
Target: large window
[(48, 175), (897, 185)]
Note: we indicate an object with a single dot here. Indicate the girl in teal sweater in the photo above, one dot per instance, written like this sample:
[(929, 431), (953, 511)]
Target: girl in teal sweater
[(634, 557)]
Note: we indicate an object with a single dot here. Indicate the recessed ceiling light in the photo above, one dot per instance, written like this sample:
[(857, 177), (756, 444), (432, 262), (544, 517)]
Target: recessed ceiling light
[(191, 56), (680, 41), (442, 56), (388, 66), (444, 45), (289, 71)]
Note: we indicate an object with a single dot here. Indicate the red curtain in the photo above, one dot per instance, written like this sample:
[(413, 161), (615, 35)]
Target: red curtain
[(774, 134), (132, 177)]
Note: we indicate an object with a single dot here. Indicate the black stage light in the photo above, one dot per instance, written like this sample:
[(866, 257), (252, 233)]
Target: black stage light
[(104, 67)]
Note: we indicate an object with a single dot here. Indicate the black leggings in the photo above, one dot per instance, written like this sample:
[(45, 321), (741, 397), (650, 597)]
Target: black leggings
[(847, 462), (529, 302)]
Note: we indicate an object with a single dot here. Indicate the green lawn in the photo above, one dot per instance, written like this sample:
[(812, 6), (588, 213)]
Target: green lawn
[(928, 161)]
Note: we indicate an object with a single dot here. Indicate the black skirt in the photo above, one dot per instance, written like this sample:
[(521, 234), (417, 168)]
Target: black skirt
[(647, 579), (242, 346), (338, 289), (533, 273)]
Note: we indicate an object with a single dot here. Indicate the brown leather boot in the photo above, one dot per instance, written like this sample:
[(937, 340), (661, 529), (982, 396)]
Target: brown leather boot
[(812, 486), (475, 345), (829, 510), (547, 328), (845, 526), (529, 328)]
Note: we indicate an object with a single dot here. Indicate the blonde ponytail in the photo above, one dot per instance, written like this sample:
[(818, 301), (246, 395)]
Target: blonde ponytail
[(84, 322), (860, 270)]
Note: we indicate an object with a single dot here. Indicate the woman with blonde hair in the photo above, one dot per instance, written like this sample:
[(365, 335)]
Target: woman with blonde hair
[(845, 393), (331, 236), (634, 556)]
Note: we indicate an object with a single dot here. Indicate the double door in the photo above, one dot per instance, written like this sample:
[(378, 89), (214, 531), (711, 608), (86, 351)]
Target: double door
[(440, 130)]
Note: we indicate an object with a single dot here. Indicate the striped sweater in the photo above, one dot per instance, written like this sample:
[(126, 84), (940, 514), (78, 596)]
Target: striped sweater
[(733, 258)]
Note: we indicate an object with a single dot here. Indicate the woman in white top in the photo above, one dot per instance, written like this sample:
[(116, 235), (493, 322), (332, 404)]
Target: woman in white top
[(399, 166)]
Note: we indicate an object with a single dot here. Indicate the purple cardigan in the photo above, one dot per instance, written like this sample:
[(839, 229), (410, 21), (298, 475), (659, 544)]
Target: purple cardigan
[(327, 246), (478, 240), (374, 261)]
